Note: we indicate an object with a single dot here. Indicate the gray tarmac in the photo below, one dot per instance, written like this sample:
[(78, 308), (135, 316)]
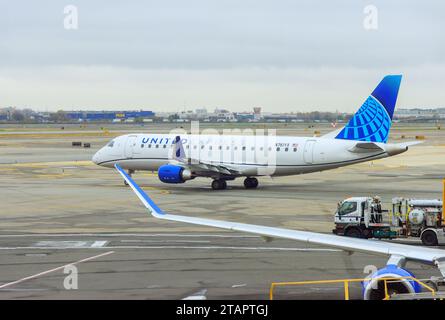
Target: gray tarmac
[(58, 208)]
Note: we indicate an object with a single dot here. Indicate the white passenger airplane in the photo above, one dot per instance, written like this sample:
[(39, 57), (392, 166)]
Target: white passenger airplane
[(178, 159), (373, 287)]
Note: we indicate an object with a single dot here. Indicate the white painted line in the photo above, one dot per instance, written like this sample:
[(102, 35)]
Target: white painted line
[(70, 244), (200, 295), (53, 270), (125, 235), (166, 241), (180, 247), (98, 244), (239, 285)]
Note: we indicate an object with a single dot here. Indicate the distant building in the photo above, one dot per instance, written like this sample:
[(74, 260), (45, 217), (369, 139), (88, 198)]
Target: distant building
[(420, 114), (222, 115), (108, 115)]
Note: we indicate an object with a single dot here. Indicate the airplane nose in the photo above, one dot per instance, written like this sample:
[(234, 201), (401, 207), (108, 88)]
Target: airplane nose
[(96, 158)]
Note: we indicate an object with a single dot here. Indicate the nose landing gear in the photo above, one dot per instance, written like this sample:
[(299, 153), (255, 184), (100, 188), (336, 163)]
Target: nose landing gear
[(130, 172)]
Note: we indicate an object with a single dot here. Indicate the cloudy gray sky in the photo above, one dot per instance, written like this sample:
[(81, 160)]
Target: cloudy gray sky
[(166, 55)]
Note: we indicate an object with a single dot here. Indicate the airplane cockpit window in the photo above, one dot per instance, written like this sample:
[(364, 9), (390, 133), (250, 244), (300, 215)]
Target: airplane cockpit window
[(110, 144), (347, 207)]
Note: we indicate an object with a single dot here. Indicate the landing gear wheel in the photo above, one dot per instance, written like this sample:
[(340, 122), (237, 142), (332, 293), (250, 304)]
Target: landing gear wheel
[(250, 183), (219, 184), (353, 233), (429, 238), (130, 172)]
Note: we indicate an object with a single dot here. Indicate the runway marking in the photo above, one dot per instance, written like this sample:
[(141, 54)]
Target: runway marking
[(53, 270), (166, 241), (125, 235), (239, 285), (98, 244), (200, 295), (180, 247), (70, 244)]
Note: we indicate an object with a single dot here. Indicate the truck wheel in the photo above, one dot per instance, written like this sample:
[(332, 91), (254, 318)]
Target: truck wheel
[(353, 233), (429, 238), (366, 234)]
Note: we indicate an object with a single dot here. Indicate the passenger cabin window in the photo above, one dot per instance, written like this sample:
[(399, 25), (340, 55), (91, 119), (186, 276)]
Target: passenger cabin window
[(287, 149), (278, 148), (347, 207), (295, 149)]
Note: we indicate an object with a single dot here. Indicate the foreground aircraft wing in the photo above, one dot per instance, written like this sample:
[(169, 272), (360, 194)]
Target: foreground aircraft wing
[(394, 250)]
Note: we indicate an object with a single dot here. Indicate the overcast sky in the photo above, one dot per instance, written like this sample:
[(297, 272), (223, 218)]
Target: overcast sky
[(173, 54)]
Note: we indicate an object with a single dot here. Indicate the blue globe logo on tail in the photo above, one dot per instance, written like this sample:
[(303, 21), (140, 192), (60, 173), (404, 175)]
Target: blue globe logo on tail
[(373, 120)]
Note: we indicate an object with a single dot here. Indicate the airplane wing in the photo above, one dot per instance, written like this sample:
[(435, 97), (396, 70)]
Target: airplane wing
[(199, 167), (395, 251)]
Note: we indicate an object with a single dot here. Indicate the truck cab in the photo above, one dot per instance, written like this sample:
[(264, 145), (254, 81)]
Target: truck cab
[(361, 217)]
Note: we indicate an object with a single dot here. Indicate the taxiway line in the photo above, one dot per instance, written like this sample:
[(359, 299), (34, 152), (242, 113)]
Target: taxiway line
[(9, 284)]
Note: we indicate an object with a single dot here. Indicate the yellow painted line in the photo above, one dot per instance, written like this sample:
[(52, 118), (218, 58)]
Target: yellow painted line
[(54, 164)]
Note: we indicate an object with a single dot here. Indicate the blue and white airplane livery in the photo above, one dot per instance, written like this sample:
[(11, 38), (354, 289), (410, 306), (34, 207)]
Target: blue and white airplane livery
[(178, 158)]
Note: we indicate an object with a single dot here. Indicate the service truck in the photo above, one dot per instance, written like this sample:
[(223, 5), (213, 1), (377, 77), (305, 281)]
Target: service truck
[(364, 217)]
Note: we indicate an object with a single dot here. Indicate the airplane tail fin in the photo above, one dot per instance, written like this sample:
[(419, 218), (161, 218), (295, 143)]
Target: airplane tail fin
[(373, 120)]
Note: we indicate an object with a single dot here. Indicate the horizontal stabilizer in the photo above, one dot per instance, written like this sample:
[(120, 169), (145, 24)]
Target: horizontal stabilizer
[(364, 147), (409, 143)]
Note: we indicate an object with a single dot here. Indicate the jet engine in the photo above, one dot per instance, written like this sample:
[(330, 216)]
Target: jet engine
[(374, 289), (169, 173)]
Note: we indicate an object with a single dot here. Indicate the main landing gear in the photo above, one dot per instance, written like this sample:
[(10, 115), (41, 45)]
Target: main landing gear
[(130, 172), (250, 183), (219, 184)]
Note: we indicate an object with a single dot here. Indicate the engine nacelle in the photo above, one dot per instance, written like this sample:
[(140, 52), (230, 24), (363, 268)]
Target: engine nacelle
[(169, 173), (374, 289)]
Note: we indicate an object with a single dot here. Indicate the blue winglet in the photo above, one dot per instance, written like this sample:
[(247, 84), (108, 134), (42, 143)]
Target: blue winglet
[(149, 204), (373, 120)]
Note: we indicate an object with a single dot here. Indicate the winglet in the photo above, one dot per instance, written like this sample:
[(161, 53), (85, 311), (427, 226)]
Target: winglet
[(145, 199)]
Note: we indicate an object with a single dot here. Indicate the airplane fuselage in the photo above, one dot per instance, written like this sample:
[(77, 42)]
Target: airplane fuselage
[(248, 155)]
